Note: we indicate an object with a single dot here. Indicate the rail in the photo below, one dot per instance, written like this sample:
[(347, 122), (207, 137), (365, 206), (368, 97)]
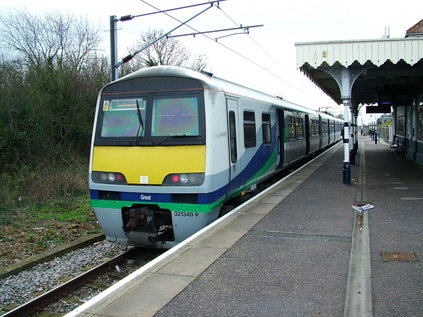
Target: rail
[(36, 305)]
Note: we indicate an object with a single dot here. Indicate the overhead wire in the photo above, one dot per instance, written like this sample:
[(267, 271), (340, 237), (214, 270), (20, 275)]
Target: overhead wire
[(266, 52), (227, 47), (221, 10)]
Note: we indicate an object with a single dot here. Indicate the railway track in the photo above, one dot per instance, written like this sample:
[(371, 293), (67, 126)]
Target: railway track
[(37, 304), (115, 267)]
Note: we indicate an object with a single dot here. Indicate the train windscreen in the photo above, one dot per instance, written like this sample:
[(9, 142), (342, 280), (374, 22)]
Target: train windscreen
[(150, 120), (175, 117), (123, 117)]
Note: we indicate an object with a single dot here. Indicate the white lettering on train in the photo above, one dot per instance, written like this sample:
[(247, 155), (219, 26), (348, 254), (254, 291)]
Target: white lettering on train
[(145, 197)]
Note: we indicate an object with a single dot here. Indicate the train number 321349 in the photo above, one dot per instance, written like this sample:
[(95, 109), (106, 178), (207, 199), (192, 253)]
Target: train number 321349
[(186, 214)]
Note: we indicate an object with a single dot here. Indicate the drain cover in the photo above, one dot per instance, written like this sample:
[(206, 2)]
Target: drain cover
[(399, 257)]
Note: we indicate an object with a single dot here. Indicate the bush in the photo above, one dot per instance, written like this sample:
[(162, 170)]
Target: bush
[(5, 216), (44, 184), (48, 89), (48, 94)]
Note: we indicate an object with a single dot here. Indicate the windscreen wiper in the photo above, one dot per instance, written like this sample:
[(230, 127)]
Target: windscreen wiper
[(141, 125), (139, 115)]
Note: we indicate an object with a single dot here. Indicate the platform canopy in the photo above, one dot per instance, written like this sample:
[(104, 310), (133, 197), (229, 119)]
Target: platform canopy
[(389, 70)]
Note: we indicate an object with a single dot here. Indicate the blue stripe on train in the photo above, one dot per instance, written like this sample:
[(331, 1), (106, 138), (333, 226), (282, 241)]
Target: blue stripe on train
[(259, 159)]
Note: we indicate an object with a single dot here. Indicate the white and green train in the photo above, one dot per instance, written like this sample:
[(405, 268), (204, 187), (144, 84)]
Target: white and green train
[(171, 145)]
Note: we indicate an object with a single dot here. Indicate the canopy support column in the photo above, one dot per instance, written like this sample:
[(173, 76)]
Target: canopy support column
[(345, 77), (354, 112)]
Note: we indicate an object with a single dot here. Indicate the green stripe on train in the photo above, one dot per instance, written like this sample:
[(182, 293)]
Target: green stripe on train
[(118, 204), (266, 167), (202, 208)]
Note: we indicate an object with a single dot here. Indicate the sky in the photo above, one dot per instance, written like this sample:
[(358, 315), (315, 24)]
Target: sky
[(265, 59)]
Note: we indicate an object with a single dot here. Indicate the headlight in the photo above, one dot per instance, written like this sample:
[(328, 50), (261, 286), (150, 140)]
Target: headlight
[(183, 178), (108, 178), (111, 177), (192, 179)]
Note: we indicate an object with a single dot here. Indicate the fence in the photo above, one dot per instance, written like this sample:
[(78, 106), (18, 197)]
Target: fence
[(386, 133)]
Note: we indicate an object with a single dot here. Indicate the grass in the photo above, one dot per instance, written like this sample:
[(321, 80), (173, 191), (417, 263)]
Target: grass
[(44, 182), (77, 210), (49, 191), (44, 207), (44, 224)]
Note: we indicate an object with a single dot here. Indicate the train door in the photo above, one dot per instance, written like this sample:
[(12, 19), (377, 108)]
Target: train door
[(280, 118), (307, 133), (232, 108), (328, 123)]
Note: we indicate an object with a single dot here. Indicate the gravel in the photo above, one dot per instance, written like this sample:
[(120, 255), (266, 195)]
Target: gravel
[(26, 285)]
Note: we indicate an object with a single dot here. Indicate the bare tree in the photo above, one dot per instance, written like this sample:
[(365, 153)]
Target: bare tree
[(53, 39), (166, 51), (199, 63), (49, 80)]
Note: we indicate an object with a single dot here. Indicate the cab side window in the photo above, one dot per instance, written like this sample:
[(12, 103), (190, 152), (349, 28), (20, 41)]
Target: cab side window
[(249, 129)]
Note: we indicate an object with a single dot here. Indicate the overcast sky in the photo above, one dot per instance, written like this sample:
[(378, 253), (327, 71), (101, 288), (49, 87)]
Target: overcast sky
[(271, 47)]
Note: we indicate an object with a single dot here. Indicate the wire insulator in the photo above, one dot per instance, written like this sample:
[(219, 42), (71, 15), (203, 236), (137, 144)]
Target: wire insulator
[(126, 18), (127, 58)]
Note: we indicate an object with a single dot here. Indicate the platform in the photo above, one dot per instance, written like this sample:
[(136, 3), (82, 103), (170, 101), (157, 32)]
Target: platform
[(299, 249)]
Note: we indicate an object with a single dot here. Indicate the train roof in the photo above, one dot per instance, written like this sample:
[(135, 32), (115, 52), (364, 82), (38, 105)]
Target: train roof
[(328, 116), (212, 82)]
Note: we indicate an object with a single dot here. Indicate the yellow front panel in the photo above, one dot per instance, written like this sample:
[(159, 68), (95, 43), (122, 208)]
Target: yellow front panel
[(149, 165)]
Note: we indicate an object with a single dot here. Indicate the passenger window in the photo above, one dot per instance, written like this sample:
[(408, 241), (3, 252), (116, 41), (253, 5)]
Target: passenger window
[(266, 128), (232, 137), (300, 128), (291, 128), (249, 129)]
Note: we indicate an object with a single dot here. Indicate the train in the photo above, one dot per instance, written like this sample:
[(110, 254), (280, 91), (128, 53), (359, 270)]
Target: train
[(171, 145)]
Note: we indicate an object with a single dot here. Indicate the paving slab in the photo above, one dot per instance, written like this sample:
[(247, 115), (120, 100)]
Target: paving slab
[(294, 262), (269, 275), (395, 188)]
